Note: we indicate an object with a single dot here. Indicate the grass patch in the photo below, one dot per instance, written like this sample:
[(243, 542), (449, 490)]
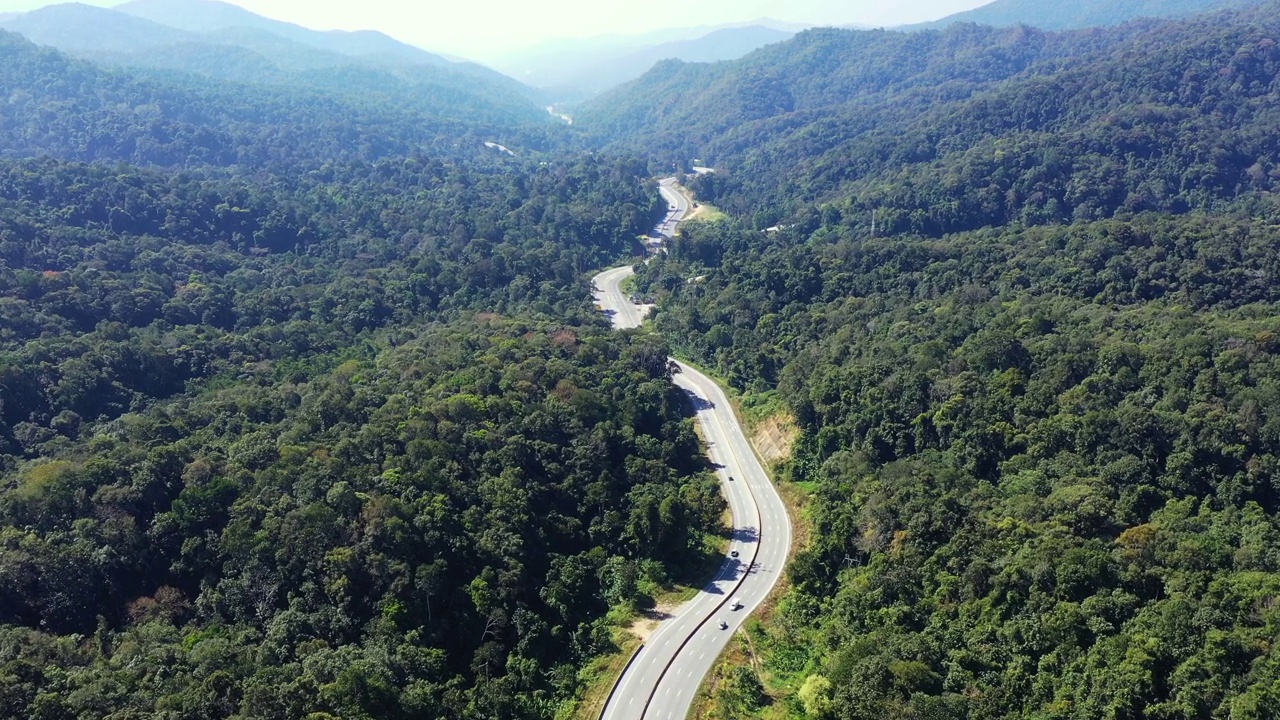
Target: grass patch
[(707, 213), (807, 486), (755, 408), (599, 676)]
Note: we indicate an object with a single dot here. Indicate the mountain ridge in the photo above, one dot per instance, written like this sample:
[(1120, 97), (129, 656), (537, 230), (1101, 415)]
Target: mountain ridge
[(204, 16), (257, 54), (1079, 14), (585, 68)]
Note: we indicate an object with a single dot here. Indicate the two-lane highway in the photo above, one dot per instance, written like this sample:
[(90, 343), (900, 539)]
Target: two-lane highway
[(678, 205), (664, 678), (609, 296)]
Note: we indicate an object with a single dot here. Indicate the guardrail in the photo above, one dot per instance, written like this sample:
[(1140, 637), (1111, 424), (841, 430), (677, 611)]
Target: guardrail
[(617, 683)]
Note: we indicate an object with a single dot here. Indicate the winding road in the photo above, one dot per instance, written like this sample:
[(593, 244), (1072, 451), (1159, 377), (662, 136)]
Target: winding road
[(663, 678)]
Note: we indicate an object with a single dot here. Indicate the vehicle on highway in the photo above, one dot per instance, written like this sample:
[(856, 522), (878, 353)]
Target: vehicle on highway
[(724, 625), (730, 478), (733, 553), (736, 604)]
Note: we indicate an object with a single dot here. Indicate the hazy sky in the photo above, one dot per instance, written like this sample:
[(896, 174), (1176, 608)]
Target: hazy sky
[(485, 29)]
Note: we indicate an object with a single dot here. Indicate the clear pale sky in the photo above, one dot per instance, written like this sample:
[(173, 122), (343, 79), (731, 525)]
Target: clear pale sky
[(483, 29)]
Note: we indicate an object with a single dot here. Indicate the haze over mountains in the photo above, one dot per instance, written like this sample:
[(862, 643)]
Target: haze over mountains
[(223, 40), (142, 24), (236, 45), (576, 68), (569, 69)]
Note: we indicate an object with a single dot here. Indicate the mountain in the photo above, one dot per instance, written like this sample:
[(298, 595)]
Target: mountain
[(690, 107), (726, 44), (243, 47), (70, 109), (1015, 295), (80, 28), (205, 16), (583, 67), (831, 112), (1051, 15)]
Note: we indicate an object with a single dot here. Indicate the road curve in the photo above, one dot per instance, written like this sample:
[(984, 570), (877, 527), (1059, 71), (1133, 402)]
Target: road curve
[(678, 205), (663, 679)]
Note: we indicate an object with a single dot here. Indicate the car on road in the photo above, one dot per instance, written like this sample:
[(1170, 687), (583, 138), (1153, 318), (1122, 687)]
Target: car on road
[(736, 604), (733, 553), (724, 625)]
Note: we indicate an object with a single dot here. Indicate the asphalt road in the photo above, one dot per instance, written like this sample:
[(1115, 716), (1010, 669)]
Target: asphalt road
[(678, 205), (665, 675)]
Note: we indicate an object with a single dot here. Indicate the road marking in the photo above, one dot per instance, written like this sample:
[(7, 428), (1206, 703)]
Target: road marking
[(729, 448)]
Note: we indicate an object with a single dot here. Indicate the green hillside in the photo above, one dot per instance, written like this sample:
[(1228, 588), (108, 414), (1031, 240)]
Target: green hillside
[(1082, 14), (305, 410), (1020, 304), (918, 126), (249, 49), (74, 110)]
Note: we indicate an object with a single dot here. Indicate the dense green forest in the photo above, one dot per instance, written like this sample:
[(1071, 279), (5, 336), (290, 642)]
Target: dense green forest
[(433, 528), (257, 446), (108, 272), (52, 105), (1037, 407), (974, 127), (1044, 459), (305, 411), (348, 441)]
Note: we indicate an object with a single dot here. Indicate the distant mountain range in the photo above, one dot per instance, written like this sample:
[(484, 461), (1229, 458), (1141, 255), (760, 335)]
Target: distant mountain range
[(1055, 15), (219, 40), (572, 69), (837, 114), (210, 16)]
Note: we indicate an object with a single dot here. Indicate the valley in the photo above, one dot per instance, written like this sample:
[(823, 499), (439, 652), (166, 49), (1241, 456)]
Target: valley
[(315, 402)]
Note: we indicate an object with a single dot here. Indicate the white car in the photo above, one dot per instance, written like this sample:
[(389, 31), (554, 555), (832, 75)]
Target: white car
[(736, 604)]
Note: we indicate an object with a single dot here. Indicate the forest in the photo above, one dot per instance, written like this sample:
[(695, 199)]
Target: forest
[(1055, 445), (56, 106), (1036, 400), (944, 131), (295, 426), (349, 441), (305, 411)]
